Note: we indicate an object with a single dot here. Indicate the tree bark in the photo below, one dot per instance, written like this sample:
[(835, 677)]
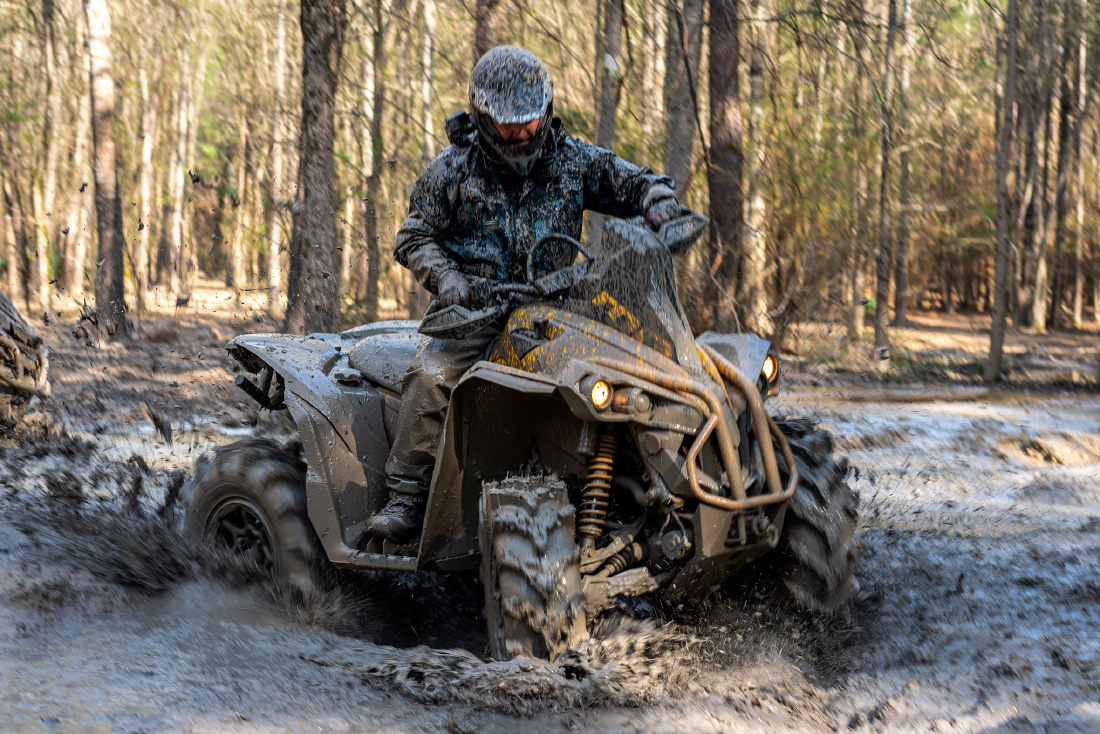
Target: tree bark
[(683, 45), (278, 143), (753, 293), (901, 269), (487, 17), (854, 311), (1004, 155), (1068, 128), (109, 303), (179, 166), (150, 104), (724, 176), (13, 211), (45, 188), (190, 265), (316, 305), (235, 272), (1083, 99), (426, 67), (885, 250), (75, 268), (609, 62)]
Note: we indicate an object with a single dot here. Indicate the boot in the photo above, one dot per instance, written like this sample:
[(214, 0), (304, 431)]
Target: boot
[(399, 521)]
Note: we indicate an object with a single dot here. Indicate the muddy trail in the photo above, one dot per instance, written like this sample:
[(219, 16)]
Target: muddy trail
[(979, 607)]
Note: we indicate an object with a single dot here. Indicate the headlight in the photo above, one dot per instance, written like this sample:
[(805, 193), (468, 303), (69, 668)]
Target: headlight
[(770, 368), (601, 394)]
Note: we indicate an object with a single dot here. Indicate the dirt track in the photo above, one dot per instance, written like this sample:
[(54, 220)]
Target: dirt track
[(979, 611)]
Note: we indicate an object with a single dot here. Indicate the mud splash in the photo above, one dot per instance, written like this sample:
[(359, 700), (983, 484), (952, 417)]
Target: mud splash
[(627, 663)]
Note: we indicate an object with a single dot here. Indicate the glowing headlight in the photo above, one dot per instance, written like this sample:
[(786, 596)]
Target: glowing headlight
[(770, 368), (601, 394)]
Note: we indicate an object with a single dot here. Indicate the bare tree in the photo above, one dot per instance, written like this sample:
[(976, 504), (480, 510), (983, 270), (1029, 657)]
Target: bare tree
[(313, 295), (683, 47), (1007, 125), (46, 187), (753, 294), (609, 42), (74, 270), (724, 173), (882, 263), (901, 265), (109, 303), (487, 17), (150, 104), (278, 143)]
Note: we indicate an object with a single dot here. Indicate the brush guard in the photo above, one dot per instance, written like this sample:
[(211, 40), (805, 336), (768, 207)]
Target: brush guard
[(708, 399)]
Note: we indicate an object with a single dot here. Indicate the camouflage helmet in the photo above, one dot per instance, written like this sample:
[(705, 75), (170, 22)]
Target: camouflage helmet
[(510, 85)]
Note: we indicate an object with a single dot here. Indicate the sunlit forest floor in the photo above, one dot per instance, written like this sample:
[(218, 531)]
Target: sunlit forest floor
[(176, 361), (979, 536)]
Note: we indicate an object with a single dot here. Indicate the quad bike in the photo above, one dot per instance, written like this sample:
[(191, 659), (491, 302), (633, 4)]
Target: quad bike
[(24, 364), (599, 452)]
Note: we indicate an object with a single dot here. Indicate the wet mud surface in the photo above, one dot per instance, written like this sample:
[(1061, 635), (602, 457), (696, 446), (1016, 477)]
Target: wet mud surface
[(979, 608)]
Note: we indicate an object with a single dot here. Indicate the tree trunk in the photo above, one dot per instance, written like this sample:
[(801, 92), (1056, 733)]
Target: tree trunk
[(1083, 100), (150, 104), (235, 273), (13, 211), (109, 303), (426, 120), (609, 62), (1068, 128), (882, 264), (487, 17), (376, 149), (11, 240), (278, 143), (1004, 155), (190, 265), (316, 305), (855, 311), (901, 269), (685, 34), (180, 164), (75, 268), (380, 41), (753, 293), (724, 172), (46, 187)]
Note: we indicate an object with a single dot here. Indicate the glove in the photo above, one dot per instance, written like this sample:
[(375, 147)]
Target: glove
[(454, 289), (660, 205)]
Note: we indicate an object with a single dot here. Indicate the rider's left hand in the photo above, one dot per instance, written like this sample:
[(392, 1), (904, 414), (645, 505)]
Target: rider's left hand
[(661, 211)]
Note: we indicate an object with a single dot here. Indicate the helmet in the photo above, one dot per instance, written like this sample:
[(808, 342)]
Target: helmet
[(511, 85)]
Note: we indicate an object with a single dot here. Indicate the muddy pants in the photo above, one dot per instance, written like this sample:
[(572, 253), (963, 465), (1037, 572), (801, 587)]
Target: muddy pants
[(425, 395)]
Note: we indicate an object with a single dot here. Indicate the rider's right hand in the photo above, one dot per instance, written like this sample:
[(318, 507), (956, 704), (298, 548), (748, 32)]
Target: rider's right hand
[(454, 289)]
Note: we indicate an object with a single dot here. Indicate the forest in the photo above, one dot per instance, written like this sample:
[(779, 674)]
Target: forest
[(858, 160)]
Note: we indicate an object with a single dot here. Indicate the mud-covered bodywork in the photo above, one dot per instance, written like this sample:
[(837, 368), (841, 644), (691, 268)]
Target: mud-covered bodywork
[(24, 363), (674, 478)]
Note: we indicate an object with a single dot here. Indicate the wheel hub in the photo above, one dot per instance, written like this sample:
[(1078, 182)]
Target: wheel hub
[(239, 526)]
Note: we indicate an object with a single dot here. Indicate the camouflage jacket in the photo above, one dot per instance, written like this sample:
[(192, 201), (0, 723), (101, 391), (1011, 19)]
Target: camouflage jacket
[(469, 214)]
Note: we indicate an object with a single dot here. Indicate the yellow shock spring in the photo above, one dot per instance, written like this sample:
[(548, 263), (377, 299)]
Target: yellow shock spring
[(596, 498)]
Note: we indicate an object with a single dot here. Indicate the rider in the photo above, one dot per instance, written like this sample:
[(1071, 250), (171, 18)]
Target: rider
[(510, 177)]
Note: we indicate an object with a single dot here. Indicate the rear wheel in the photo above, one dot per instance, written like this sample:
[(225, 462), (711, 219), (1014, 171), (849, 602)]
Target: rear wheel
[(250, 497), (817, 550), (534, 603)]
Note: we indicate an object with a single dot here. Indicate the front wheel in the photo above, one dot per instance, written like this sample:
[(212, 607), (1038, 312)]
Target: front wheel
[(817, 550), (250, 498), (534, 603)]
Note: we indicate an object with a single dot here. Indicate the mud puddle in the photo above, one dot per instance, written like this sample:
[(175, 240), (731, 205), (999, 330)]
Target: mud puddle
[(978, 611)]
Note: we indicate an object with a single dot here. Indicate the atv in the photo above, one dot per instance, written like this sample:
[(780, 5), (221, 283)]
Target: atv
[(598, 453), (24, 364)]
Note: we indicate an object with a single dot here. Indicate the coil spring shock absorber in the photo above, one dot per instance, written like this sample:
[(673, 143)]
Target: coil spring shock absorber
[(597, 493)]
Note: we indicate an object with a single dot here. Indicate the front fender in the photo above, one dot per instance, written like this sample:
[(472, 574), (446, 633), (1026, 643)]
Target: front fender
[(497, 415)]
